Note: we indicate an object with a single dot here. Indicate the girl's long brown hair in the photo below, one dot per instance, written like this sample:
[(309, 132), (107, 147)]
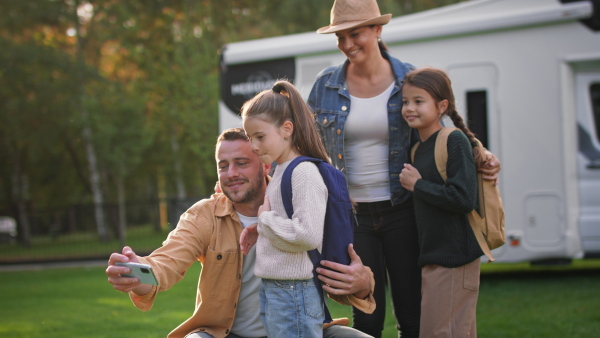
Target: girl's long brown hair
[(437, 83), (283, 103)]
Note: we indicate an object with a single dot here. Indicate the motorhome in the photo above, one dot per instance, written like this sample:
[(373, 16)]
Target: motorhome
[(526, 75)]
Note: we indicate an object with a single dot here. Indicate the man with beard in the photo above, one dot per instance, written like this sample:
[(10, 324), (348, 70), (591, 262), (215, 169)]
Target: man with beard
[(227, 303)]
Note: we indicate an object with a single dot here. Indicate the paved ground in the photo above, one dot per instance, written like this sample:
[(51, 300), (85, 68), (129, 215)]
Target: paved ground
[(40, 266)]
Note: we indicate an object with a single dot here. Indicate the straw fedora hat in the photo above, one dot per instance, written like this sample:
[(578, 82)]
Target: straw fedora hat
[(347, 14)]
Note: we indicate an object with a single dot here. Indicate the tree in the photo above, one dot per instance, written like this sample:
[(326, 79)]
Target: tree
[(132, 86)]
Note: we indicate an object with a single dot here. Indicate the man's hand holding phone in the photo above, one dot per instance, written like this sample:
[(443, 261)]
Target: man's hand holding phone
[(143, 272), (116, 273)]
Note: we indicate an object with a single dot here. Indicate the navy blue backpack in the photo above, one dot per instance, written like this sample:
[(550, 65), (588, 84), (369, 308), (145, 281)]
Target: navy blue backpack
[(338, 232)]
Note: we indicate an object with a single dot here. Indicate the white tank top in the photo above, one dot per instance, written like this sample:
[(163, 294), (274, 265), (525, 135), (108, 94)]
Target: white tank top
[(366, 142)]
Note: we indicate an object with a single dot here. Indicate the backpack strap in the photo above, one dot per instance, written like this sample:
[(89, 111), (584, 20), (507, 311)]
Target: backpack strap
[(441, 159), (413, 150), (286, 182), (441, 150), (286, 196)]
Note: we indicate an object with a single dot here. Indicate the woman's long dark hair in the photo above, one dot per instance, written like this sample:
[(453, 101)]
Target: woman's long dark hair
[(381, 44), (283, 103), (437, 83)]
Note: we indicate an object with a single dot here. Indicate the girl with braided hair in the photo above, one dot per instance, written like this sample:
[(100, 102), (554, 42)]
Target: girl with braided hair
[(449, 254)]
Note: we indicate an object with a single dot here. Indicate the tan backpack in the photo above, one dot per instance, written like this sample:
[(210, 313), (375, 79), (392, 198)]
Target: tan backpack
[(489, 226)]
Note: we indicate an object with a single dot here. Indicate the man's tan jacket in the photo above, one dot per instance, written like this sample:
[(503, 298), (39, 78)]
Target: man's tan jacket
[(209, 232)]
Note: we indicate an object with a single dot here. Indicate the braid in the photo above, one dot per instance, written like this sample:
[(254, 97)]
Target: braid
[(460, 124)]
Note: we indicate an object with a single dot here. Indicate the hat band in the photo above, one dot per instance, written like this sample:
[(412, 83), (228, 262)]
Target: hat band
[(346, 21)]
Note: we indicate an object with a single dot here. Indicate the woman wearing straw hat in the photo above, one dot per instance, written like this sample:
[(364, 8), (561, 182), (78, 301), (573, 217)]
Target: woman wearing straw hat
[(358, 110)]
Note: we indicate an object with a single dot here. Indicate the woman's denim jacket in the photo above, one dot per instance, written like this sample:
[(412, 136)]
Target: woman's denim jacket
[(330, 101)]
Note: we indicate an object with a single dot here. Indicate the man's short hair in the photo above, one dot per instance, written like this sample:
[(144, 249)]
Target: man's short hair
[(232, 134)]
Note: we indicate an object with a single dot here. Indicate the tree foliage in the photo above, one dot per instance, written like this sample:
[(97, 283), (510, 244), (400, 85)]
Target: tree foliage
[(146, 74)]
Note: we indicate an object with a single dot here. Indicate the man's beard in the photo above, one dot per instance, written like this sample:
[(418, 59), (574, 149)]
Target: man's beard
[(249, 195)]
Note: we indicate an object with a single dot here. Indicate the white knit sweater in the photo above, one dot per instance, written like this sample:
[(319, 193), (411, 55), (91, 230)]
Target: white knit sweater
[(283, 242)]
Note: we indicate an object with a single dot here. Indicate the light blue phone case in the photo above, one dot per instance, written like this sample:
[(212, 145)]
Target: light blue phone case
[(141, 271)]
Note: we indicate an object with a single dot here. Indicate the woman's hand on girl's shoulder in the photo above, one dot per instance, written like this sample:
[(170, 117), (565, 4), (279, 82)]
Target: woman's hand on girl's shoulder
[(491, 168)]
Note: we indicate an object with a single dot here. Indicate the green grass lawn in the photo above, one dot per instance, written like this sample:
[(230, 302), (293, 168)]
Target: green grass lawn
[(515, 301)]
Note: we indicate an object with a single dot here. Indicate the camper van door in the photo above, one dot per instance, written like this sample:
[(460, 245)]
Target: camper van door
[(588, 128)]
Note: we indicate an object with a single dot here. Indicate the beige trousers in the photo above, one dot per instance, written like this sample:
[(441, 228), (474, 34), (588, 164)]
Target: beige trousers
[(449, 301)]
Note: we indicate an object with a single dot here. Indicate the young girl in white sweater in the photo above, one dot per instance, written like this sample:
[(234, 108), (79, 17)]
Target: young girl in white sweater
[(281, 127)]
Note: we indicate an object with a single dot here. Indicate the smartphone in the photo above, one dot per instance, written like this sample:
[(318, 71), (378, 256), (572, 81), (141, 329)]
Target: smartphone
[(143, 272)]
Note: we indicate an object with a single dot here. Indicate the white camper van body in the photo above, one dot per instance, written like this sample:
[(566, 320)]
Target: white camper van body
[(534, 69)]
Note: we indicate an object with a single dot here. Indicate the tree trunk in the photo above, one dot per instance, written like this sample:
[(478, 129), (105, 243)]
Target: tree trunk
[(179, 206), (24, 229), (20, 193), (162, 200), (178, 170), (94, 179), (122, 211), (88, 138)]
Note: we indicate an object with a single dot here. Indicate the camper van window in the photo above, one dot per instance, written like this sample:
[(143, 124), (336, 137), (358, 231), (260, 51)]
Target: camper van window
[(477, 113), (595, 96)]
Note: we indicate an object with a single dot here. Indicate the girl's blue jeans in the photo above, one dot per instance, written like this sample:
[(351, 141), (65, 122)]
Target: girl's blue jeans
[(291, 308)]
